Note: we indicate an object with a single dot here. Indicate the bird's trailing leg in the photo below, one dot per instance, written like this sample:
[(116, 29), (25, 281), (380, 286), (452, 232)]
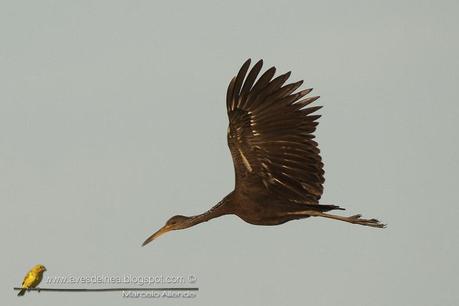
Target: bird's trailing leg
[(355, 219)]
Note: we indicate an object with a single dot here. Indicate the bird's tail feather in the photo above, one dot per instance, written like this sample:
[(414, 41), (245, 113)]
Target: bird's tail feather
[(323, 207), (22, 292)]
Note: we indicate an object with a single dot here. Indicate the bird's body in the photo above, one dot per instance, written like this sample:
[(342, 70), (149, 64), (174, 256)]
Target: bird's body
[(278, 168), (32, 278), (265, 210)]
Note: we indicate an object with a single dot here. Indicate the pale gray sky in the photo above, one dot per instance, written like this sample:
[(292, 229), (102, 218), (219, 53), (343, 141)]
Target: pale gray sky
[(112, 119)]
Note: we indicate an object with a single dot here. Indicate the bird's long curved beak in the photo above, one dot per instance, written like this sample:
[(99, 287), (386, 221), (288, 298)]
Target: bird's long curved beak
[(162, 231)]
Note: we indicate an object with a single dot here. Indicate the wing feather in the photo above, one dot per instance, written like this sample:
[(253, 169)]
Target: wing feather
[(270, 135)]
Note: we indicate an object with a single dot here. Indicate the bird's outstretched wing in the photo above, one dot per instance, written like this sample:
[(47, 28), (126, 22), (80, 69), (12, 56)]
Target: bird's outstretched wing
[(270, 136)]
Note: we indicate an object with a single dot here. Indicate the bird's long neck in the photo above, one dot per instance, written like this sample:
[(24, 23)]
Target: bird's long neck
[(224, 207)]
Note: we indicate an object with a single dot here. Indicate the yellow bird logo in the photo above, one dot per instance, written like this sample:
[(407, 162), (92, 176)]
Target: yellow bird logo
[(32, 278)]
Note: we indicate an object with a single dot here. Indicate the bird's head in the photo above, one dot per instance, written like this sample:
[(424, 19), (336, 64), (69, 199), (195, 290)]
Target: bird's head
[(39, 268), (174, 223)]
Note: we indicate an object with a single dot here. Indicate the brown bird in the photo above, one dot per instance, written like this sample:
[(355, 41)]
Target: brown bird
[(278, 168)]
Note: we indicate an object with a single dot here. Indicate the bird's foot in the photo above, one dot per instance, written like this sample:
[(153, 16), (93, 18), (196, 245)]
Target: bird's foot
[(357, 219)]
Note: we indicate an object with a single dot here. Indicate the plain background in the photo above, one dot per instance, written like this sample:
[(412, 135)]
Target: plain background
[(112, 119)]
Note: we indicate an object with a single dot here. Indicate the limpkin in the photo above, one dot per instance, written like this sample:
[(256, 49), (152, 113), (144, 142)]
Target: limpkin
[(278, 169)]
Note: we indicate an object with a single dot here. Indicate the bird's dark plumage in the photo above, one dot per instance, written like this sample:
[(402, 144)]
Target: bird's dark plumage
[(278, 169), (270, 136)]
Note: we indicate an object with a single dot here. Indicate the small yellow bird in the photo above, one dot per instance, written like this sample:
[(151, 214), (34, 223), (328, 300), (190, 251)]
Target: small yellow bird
[(32, 278)]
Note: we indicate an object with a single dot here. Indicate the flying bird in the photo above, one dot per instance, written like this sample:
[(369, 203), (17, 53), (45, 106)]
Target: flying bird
[(278, 169), (32, 278)]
